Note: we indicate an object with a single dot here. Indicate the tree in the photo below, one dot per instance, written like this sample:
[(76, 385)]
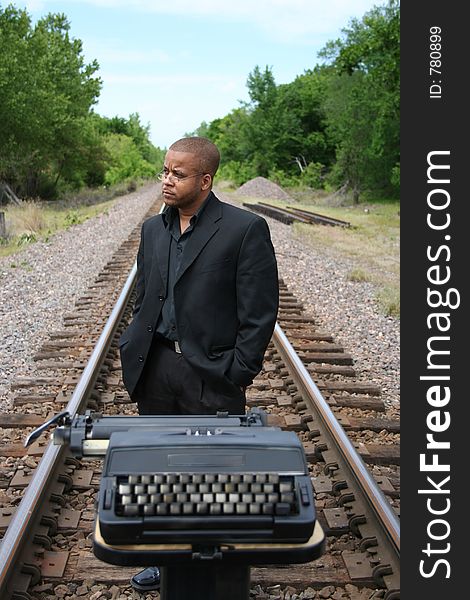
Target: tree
[(280, 127), (338, 121), (137, 133), (350, 116), (367, 87), (305, 140), (47, 92), (126, 161)]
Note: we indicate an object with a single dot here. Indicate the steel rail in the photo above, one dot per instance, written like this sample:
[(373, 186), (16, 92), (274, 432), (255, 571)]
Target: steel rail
[(28, 511), (305, 216), (352, 460), (316, 216)]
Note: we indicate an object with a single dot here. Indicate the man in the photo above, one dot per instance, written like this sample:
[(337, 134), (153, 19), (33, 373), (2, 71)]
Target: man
[(207, 299)]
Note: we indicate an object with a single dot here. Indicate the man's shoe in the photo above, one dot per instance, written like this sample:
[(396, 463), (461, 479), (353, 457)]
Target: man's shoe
[(147, 580)]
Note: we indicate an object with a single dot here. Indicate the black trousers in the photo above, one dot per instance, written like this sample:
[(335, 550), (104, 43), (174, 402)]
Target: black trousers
[(170, 386)]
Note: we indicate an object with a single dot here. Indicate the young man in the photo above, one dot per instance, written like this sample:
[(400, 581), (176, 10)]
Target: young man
[(207, 299)]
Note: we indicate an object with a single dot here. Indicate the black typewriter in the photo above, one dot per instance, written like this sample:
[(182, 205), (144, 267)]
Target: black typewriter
[(204, 497), (207, 480), (196, 479), (212, 494)]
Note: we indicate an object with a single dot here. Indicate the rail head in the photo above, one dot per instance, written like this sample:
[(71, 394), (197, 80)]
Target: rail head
[(26, 515), (352, 460)]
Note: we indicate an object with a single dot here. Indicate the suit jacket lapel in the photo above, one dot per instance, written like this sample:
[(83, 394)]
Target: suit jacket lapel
[(206, 227), (161, 253)]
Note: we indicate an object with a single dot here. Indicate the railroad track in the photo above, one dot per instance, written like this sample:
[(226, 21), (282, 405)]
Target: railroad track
[(48, 497), (290, 214)]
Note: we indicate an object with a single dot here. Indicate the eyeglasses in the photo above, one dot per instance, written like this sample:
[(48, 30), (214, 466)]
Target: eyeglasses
[(175, 177)]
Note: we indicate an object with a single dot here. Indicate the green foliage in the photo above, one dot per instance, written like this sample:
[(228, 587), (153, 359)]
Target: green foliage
[(363, 98), (26, 238), (47, 90), (282, 178), (336, 125), (50, 138), (305, 138), (280, 128), (237, 172), (72, 217), (137, 132), (311, 176), (126, 160), (395, 177)]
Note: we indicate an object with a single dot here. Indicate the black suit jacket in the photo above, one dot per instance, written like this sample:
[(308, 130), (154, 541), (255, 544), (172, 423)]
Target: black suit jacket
[(226, 296)]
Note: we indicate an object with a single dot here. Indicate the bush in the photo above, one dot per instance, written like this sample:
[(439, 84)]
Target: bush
[(72, 218), (395, 178), (126, 160), (237, 172), (312, 175), (282, 178)]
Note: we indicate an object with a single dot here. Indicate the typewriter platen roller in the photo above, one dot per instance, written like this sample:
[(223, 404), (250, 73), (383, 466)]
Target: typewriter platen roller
[(205, 484)]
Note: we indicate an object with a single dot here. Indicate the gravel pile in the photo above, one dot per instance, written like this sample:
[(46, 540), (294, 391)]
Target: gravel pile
[(41, 283), (260, 187)]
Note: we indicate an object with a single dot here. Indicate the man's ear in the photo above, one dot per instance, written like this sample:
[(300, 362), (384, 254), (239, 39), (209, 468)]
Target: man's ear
[(206, 181)]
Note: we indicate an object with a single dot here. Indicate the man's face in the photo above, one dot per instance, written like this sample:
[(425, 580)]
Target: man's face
[(184, 185)]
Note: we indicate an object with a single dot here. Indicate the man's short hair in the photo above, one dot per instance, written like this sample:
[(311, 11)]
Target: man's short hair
[(206, 151)]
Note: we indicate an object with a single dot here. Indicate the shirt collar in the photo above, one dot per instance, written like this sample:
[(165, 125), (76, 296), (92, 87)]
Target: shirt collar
[(171, 213)]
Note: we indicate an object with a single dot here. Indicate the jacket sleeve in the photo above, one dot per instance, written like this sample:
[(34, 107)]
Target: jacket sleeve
[(257, 302)]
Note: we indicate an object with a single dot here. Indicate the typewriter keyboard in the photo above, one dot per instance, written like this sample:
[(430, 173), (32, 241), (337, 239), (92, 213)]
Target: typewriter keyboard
[(206, 494)]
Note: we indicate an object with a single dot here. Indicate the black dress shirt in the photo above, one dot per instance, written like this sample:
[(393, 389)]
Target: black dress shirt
[(167, 326)]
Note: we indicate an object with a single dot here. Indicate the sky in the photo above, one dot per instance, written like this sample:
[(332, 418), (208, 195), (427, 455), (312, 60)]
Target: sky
[(178, 63)]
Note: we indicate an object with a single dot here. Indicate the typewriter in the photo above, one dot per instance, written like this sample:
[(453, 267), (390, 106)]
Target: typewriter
[(243, 484), (197, 480)]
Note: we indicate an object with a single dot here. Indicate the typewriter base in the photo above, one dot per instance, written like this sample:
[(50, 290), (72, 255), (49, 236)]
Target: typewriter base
[(205, 581), (209, 573)]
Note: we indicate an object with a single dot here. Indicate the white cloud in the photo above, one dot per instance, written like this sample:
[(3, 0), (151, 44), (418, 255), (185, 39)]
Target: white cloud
[(286, 20)]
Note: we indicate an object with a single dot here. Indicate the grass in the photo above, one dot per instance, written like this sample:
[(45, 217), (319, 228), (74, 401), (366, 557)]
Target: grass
[(34, 221), (372, 242)]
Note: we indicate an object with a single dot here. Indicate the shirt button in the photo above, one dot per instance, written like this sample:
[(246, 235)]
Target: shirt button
[(161, 298), (149, 328), (141, 358)]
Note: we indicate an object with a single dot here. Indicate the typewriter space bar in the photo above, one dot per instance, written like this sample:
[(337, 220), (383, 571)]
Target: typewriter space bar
[(152, 524)]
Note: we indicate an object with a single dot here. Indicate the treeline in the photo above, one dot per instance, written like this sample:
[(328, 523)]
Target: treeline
[(335, 126), (51, 140)]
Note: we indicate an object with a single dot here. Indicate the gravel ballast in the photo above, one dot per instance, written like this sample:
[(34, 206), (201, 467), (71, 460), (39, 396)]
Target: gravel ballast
[(41, 283), (47, 279), (343, 308)]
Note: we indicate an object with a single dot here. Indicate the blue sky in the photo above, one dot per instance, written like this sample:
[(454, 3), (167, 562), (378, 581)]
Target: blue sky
[(180, 62)]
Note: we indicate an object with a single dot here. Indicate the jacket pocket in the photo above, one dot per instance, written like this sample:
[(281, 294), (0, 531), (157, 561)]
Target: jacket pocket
[(220, 349)]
